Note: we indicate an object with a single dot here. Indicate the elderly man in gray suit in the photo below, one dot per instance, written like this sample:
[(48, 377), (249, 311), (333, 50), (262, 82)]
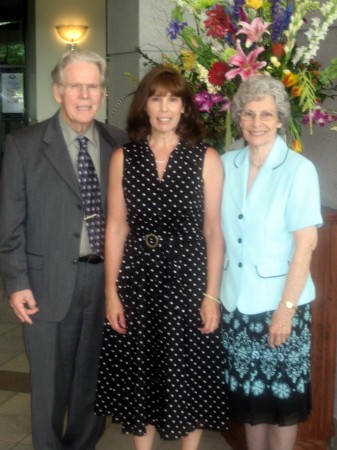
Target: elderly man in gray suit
[(51, 250)]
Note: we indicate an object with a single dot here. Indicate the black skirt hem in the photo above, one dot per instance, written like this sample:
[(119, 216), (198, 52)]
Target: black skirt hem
[(281, 422), (163, 436)]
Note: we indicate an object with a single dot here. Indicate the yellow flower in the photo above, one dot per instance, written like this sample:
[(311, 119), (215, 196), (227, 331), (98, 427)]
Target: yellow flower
[(168, 63), (296, 145), (255, 4), (289, 78), (275, 62), (188, 58)]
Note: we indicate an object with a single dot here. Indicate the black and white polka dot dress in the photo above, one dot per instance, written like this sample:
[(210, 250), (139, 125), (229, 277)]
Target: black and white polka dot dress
[(164, 371)]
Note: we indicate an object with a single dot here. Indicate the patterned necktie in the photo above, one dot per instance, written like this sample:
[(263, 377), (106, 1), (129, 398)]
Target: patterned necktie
[(91, 197)]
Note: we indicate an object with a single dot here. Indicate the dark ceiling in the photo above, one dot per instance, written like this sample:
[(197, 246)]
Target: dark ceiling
[(11, 10)]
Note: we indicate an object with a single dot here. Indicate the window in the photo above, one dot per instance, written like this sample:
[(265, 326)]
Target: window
[(12, 67)]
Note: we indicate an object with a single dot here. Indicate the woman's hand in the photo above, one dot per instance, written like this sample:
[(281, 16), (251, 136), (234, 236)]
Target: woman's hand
[(280, 327), (115, 315), (210, 315)]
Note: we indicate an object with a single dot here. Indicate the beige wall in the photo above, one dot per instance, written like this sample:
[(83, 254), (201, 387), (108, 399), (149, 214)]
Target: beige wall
[(131, 24), (49, 47)]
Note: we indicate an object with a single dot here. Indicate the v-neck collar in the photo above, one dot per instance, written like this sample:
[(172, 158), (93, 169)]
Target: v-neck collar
[(168, 164)]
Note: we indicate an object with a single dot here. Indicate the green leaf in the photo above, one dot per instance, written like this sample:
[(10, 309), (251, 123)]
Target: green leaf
[(329, 73), (177, 14), (308, 96), (199, 5), (203, 51)]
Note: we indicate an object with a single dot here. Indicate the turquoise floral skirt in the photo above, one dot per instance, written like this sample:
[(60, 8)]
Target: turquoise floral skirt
[(267, 385)]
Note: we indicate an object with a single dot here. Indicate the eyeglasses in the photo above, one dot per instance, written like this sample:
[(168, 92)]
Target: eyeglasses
[(264, 116), (77, 88)]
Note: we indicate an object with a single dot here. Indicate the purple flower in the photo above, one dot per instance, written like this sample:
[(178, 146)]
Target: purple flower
[(320, 117), (206, 101), (226, 104), (238, 10), (280, 18), (174, 28)]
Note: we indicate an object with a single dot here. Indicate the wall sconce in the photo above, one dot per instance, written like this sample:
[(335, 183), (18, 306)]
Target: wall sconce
[(72, 33)]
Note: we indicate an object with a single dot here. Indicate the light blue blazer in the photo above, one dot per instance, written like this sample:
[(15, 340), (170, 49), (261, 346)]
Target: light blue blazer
[(258, 227)]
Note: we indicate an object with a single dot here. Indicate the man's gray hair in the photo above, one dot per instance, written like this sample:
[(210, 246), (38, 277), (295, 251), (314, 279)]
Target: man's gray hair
[(76, 56)]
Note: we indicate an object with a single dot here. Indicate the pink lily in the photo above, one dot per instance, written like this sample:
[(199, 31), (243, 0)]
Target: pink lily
[(254, 31), (247, 65)]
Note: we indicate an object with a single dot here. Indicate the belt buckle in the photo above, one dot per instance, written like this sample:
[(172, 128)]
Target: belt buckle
[(94, 259), (91, 259), (151, 240)]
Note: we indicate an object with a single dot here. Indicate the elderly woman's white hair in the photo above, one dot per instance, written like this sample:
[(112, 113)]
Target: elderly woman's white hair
[(258, 87)]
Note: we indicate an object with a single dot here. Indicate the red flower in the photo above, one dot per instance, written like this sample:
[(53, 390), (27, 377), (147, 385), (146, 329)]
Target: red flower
[(218, 24), (217, 73), (278, 50)]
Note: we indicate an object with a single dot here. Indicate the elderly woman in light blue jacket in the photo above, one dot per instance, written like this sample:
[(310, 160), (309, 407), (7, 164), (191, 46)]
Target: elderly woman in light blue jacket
[(271, 210)]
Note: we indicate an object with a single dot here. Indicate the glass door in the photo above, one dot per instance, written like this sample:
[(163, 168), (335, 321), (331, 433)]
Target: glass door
[(13, 108)]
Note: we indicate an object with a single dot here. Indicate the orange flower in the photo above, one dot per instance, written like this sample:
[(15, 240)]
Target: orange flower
[(289, 79), (297, 91), (296, 145)]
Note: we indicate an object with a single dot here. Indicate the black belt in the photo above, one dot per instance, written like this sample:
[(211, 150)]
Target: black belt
[(152, 240), (91, 259)]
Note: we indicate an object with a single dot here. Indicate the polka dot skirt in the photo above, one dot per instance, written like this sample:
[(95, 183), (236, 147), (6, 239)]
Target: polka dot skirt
[(163, 372)]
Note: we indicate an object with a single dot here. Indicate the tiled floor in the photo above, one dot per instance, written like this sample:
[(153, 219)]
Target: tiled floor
[(15, 398)]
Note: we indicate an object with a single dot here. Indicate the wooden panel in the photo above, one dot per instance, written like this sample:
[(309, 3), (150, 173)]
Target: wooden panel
[(309, 444), (314, 433)]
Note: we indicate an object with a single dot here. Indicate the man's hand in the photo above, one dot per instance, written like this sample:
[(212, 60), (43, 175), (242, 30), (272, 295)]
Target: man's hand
[(24, 305)]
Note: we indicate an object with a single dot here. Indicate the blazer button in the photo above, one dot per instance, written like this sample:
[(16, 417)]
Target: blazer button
[(239, 240), (79, 206), (77, 235), (240, 216), (240, 265)]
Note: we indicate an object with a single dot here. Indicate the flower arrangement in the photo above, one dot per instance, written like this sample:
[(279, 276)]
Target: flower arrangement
[(219, 43)]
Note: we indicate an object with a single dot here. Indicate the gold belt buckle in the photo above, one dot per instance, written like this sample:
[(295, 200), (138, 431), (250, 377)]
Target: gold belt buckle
[(152, 240)]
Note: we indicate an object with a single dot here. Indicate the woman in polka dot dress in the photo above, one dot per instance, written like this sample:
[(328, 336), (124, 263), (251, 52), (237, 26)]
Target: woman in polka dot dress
[(162, 362)]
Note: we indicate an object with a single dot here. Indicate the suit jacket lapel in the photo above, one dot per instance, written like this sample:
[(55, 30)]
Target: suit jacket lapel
[(107, 145), (239, 178), (58, 155), (239, 175), (268, 173), (56, 152)]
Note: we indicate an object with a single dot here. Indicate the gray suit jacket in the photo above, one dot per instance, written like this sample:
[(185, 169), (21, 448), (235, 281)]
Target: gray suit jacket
[(41, 213)]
